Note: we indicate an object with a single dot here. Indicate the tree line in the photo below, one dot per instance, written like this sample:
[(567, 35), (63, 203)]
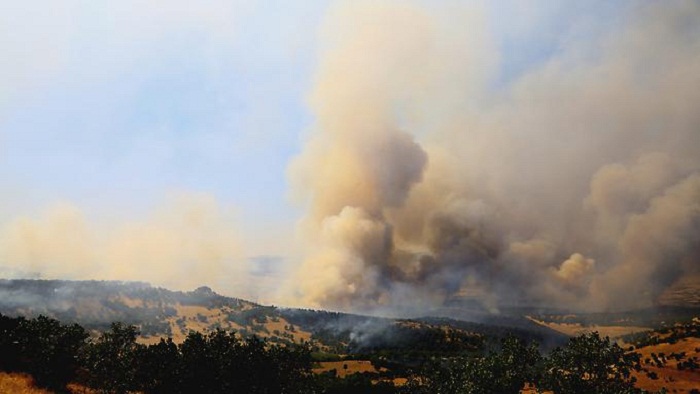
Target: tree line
[(221, 362), (588, 364)]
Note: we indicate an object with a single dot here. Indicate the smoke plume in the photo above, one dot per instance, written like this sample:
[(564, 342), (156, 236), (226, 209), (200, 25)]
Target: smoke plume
[(576, 184)]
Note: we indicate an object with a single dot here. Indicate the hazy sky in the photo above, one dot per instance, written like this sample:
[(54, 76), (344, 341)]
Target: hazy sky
[(113, 105), (116, 117)]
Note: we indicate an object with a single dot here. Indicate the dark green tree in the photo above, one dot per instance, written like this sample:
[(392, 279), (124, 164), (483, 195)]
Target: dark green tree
[(110, 362), (589, 364), (221, 363), (53, 349), (292, 368), (10, 345), (500, 372), (203, 359), (508, 370), (159, 368), (42, 347)]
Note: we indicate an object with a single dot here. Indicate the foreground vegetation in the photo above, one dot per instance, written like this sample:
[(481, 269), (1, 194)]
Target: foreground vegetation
[(55, 354)]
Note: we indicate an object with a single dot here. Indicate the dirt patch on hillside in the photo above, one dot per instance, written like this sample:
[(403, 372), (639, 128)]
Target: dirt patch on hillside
[(347, 367)]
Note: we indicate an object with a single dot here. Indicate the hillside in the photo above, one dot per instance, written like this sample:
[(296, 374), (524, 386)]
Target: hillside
[(684, 293), (669, 357), (159, 312)]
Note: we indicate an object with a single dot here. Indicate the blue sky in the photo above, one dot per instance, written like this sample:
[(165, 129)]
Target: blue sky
[(106, 104)]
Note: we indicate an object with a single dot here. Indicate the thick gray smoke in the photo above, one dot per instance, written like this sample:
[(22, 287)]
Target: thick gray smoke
[(578, 184)]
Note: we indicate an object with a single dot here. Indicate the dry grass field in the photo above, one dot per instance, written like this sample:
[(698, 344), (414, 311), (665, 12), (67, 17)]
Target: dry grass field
[(346, 367), (20, 383), (298, 335), (204, 320), (673, 380), (669, 376), (575, 329), (17, 383), (654, 377)]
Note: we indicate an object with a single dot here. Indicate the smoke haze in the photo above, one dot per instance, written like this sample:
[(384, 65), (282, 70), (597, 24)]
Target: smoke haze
[(575, 184), (188, 241)]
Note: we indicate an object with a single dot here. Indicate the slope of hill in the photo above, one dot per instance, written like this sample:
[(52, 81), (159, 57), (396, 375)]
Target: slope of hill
[(157, 312), (684, 293), (669, 357), (656, 317), (160, 313)]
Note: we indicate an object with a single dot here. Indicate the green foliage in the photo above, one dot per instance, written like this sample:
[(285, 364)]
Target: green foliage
[(110, 362), (159, 367), (54, 348), (502, 372), (10, 347), (222, 362), (590, 365), (42, 347)]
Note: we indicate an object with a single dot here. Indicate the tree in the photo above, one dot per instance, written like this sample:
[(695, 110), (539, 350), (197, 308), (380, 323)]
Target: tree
[(510, 369), (500, 372), (159, 368), (204, 358), (53, 351), (10, 347), (589, 365), (42, 347), (110, 362)]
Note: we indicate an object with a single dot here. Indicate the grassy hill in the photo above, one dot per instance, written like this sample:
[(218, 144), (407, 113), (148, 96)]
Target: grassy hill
[(159, 312), (670, 357)]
